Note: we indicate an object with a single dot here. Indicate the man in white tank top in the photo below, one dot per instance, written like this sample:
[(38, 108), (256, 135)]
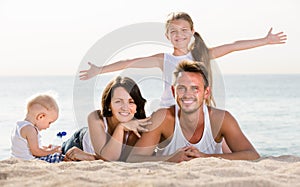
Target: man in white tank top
[(191, 129)]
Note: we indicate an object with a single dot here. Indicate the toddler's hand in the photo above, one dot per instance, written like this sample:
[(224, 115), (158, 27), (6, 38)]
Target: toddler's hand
[(56, 149)]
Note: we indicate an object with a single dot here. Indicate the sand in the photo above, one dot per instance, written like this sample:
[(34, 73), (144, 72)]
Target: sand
[(269, 171)]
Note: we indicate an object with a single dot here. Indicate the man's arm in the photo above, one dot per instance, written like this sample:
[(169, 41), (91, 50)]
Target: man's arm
[(240, 146), (144, 148), (162, 126)]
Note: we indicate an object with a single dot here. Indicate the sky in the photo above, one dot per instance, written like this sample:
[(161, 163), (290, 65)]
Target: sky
[(52, 37)]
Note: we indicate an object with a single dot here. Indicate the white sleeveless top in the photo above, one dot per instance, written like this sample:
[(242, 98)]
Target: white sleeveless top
[(206, 144), (170, 63), (86, 139), (19, 145)]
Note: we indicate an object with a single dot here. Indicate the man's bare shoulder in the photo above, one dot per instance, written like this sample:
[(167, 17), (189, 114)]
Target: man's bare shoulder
[(163, 116), (217, 118), (216, 112), (164, 113)]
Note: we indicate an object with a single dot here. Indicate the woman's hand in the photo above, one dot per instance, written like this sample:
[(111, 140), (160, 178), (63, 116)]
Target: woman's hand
[(137, 126), (76, 154)]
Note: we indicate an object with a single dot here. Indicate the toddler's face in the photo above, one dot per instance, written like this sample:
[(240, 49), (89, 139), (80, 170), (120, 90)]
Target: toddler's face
[(47, 118)]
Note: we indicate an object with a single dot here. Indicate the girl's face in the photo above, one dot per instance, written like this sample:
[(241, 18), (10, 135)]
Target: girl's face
[(122, 105), (180, 33)]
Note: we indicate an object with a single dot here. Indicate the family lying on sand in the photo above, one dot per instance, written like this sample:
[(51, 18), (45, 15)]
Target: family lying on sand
[(184, 128)]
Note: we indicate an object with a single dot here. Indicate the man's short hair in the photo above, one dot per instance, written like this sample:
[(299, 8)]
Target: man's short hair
[(192, 66)]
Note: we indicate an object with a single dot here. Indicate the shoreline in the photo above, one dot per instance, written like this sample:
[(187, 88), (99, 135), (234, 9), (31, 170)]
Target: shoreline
[(267, 171)]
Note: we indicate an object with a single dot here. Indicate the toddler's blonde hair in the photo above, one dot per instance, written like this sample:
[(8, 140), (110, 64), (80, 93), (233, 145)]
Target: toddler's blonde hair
[(45, 100)]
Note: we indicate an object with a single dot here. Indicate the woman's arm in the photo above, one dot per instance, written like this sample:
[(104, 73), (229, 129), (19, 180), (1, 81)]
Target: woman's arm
[(219, 51), (76, 154), (143, 62), (111, 149), (97, 134)]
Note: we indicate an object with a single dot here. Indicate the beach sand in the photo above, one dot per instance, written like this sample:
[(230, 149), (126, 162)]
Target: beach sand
[(269, 171)]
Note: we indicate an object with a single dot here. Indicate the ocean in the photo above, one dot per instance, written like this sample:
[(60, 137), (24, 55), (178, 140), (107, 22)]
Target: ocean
[(267, 107)]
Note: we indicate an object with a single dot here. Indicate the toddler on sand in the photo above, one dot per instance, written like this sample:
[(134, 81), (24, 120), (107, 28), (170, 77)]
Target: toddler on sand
[(42, 110)]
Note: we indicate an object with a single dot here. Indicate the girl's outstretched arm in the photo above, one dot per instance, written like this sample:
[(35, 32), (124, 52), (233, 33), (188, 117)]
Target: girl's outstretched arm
[(143, 62), (219, 51)]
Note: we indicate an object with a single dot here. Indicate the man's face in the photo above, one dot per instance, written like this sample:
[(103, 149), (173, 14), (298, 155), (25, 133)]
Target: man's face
[(189, 91)]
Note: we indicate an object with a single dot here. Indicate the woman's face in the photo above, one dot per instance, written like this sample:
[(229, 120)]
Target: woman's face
[(122, 105)]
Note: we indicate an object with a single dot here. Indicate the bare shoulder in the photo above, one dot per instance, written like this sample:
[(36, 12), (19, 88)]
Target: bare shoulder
[(95, 118), (95, 115), (163, 114), (163, 117), (28, 130), (218, 114), (220, 120)]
